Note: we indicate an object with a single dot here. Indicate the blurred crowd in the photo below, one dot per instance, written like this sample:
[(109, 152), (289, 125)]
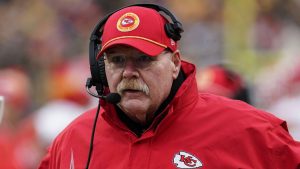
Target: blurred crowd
[(245, 50)]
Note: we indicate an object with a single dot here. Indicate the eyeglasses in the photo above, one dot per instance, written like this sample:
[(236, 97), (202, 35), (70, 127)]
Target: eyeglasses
[(119, 61)]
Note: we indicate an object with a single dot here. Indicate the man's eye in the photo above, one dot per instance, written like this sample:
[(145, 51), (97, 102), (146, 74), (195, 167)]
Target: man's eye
[(145, 58), (116, 59)]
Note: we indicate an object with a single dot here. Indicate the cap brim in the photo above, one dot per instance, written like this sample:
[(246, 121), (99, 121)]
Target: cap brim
[(149, 48)]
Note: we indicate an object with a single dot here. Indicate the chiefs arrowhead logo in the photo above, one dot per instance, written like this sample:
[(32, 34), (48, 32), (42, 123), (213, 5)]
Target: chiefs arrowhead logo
[(128, 22), (186, 160)]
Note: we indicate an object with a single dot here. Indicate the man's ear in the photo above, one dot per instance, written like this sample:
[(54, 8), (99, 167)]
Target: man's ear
[(177, 63)]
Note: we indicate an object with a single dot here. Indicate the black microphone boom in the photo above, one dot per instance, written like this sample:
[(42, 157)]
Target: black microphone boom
[(111, 97)]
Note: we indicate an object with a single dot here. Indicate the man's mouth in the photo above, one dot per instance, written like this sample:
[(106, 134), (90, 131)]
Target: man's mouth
[(130, 90)]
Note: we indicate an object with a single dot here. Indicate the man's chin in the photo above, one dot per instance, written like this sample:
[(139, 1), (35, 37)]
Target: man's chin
[(136, 106)]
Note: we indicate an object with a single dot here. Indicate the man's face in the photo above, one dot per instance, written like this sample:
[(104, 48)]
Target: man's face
[(143, 82)]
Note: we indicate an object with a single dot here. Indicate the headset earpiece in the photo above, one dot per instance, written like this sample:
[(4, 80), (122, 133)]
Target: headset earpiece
[(172, 31)]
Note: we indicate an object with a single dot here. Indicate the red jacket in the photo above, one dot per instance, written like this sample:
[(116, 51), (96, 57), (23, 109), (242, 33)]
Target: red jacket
[(195, 131)]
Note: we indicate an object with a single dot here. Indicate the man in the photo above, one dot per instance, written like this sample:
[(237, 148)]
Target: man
[(161, 120)]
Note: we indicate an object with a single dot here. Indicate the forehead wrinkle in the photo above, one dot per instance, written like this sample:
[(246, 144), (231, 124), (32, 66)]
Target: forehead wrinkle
[(125, 52), (122, 49)]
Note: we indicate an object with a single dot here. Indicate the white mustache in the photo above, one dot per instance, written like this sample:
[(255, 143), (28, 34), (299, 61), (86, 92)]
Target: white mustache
[(132, 84)]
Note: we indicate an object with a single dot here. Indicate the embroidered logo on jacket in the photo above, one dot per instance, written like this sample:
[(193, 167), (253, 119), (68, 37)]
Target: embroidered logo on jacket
[(186, 160)]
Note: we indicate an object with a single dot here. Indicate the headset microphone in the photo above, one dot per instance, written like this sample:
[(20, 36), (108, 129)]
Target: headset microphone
[(111, 97)]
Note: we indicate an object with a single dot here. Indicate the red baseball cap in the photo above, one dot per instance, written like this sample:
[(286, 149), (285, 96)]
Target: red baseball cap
[(138, 27)]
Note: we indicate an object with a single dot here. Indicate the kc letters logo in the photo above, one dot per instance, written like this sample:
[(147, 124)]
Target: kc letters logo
[(186, 160)]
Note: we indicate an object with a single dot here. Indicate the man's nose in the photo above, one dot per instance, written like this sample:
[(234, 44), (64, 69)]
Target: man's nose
[(130, 69)]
